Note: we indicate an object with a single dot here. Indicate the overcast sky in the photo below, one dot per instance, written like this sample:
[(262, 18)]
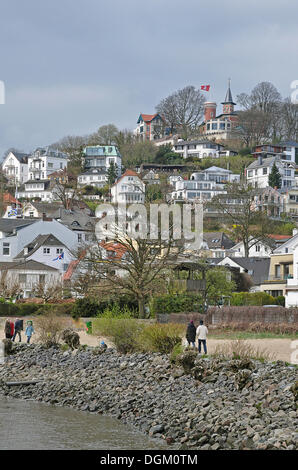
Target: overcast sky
[(70, 66)]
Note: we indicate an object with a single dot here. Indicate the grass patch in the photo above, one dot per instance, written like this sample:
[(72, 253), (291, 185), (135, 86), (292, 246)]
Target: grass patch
[(240, 349)]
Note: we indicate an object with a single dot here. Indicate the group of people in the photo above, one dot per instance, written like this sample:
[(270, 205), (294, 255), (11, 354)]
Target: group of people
[(12, 329), (201, 333)]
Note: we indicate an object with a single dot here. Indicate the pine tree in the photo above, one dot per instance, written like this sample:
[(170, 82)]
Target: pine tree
[(112, 173), (274, 177)]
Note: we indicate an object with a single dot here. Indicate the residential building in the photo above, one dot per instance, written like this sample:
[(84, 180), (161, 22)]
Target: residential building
[(203, 185), (286, 150), (16, 234), (45, 161), (129, 188), (97, 160), (48, 250), (201, 149), (15, 167), (28, 274), (257, 173), (93, 177), (281, 269), (36, 189), (151, 177), (218, 244), (150, 127), (290, 201), (269, 200), (255, 269)]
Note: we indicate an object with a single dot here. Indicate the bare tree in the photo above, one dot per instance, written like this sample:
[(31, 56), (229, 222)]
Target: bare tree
[(289, 113), (105, 135), (249, 226), (140, 269), (73, 146), (48, 292), (9, 288), (253, 127), (183, 109)]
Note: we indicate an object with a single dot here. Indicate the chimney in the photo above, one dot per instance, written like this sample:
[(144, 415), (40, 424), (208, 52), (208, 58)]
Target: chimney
[(260, 159)]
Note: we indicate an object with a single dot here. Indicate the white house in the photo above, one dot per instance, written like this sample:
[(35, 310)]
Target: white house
[(257, 173), (45, 161), (129, 188), (93, 177), (47, 249), (201, 149), (20, 235), (259, 249), (203, 185), (27, 275), (36, 188), (15, 167)]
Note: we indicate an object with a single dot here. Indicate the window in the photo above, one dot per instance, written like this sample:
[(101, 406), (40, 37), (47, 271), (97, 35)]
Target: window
[(6, 249), (46, 251), (59, 251), (265, 171), (50, 165), (42, 278), (277, 271), (79, 237), (22, 278), (258, 248)]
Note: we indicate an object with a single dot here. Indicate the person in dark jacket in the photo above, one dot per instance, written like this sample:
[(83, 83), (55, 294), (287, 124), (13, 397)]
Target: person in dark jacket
[(18, 326), (191, 334), (7, 329)]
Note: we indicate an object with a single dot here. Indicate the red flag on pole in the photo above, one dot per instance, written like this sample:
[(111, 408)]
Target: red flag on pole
[(205, 87)]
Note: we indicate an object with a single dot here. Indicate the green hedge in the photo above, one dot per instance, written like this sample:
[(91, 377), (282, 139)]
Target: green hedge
[(252, 298), (27, 309), (170, 303)]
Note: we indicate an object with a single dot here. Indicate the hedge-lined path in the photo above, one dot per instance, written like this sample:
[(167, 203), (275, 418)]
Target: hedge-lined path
[(277, 348)]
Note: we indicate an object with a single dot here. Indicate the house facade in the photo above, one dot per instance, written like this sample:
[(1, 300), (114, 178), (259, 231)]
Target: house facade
[(45, 161), (129, 188), (257, 173), (15, 167), (150, 127), (27, 275)]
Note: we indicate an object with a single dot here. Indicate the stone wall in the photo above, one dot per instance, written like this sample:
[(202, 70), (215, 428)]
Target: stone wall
[(245, 314)]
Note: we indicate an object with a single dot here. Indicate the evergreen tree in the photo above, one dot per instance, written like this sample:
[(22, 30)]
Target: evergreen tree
[(112, 173), (274, 177)]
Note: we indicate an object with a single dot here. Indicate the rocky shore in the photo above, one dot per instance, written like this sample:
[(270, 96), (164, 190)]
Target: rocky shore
[(209, 404)]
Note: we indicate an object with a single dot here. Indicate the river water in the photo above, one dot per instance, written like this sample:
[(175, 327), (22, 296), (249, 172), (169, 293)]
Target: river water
[(26, 425)]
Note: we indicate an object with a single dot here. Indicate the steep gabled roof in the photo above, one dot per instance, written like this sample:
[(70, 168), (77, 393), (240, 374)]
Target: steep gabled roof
[(127, 173)]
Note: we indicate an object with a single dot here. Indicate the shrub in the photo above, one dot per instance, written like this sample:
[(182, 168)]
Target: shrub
[(160, 337), (85, 307), (251, 298), (123, 332), (49, 327), (176, 351), (280, 300)]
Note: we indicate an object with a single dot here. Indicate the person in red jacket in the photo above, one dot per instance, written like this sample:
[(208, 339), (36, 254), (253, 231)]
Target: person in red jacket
[(11, 329)]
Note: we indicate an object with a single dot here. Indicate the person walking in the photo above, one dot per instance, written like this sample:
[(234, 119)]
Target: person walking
[(11, 329), (7, 329), (202, 332), (29, 331), (18, 326), (191, 334)]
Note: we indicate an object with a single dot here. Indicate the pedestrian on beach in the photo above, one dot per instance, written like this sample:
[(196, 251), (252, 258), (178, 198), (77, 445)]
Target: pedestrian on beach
[(29, 331), (18, 326), (202, 332), (7, 329), (191, 334)]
